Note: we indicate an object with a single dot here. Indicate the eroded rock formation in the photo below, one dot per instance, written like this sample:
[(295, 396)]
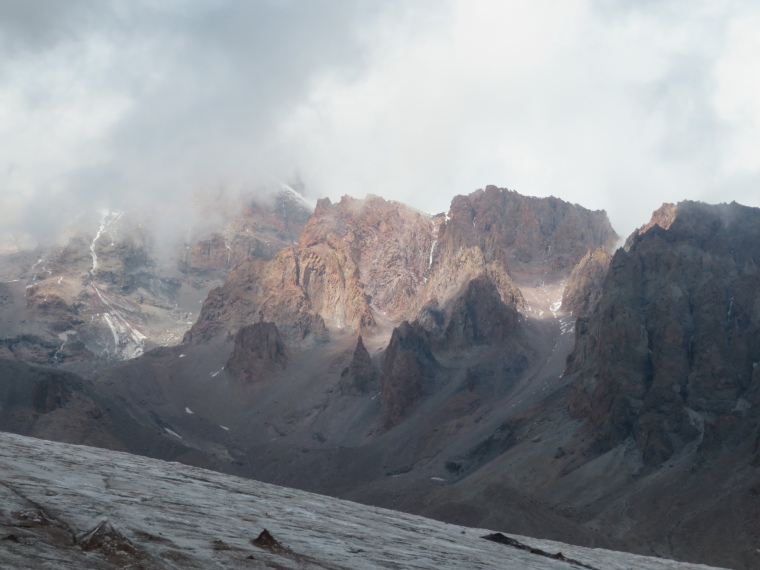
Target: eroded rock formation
[(672, 350), (259, 353), (408, 364), (361, 376)]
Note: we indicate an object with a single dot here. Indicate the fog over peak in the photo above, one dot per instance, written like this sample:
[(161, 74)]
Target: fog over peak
[(614, 106)]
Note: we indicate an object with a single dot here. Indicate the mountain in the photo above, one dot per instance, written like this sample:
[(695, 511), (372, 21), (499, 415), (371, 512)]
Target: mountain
[(122, 284), (77, 507), (654, 436), (472, 335), (497, 365)]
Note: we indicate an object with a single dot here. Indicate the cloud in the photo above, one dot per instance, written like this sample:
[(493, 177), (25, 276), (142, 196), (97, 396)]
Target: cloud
[(109, 103), (611, 105)]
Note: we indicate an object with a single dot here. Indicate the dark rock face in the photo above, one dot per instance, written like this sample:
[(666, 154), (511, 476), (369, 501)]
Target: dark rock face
[(584, 286), (61, 406), (674, 346), (407, 364), (259, 352), (361, 376), (662, 216), (480, 316)]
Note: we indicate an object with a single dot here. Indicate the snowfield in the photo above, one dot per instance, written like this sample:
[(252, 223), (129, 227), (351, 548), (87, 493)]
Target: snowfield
[(66, 506)]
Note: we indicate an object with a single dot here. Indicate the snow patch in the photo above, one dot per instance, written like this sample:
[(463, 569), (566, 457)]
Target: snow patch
[(172, 432), (128, 342), (290, 192), (188, 411), (432, 249), (109, 218)]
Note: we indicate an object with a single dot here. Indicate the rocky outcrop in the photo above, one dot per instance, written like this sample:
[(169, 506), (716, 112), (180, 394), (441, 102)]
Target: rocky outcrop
[(360, 260), (662, 216), (301, 290), (584, 285), (408, 364), (674, 345), (388, 242), (479, 316), (521, 231), (352, 257), (259, 353), (360, 376)]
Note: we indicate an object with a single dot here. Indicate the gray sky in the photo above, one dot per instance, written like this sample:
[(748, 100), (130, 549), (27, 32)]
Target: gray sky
[(609, 104)]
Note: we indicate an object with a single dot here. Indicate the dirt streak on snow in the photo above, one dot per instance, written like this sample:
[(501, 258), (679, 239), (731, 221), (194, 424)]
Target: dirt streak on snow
[(171, 515)]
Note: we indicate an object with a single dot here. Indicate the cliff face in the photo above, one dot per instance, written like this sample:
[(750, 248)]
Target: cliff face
[(387, 242), (584, 285), (361, 261), (522, 231), (352, 257), (408, 364), (299, 290), (671, 353)]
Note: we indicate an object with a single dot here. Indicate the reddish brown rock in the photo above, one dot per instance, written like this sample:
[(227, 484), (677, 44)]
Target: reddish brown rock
[(259, 353), (299, 289), (388, 242), (521, 231)]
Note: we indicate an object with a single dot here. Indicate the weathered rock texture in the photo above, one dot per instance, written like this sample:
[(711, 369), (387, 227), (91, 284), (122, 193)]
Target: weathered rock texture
[(299, 289), (662, 216), (584, 286), (361, 376), (479, 316), (408, 364), (358, 261), (519, 231), (259, 353), (672, 352), (388, 242)]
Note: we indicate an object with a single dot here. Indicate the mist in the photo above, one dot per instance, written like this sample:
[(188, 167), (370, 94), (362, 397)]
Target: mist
[(148, 105)]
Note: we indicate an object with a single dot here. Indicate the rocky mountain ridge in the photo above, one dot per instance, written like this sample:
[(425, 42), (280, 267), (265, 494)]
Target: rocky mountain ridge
[(495, 365), (673, 346), (114, 290)]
